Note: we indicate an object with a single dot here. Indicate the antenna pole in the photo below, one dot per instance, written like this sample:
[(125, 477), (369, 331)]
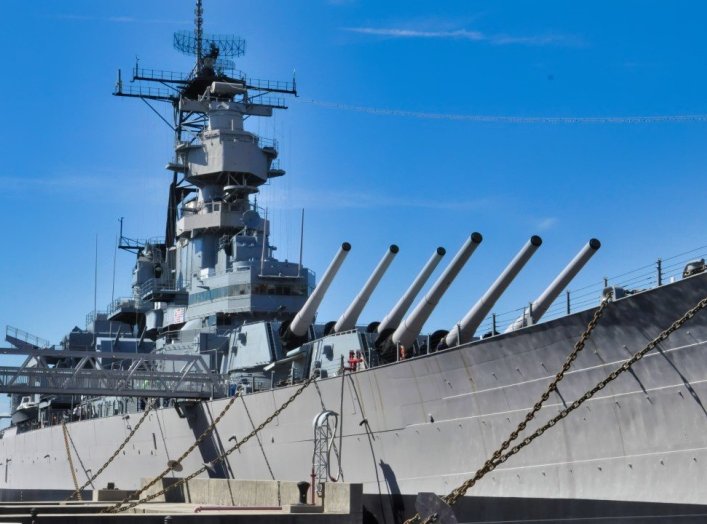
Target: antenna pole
[(301, 242), (265, 239), (95, 278), (115, 256)]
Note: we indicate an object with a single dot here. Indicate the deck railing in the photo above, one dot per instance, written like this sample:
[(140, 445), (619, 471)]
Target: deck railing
[(662, 271)]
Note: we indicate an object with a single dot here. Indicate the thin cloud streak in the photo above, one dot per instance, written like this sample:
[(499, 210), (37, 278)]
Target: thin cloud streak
[(465, 34), (507, 119), (461, 34), (119, 19), (79, 186), (363, 200)]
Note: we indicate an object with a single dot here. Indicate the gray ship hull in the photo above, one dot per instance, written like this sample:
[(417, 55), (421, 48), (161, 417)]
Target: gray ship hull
[(638, 447)]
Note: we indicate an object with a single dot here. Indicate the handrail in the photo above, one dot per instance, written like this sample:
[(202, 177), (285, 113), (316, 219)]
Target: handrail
[(25, 336), (587, 296)]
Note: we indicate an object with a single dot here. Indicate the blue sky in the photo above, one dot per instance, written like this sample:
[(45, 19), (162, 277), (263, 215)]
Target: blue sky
[(77, 159)]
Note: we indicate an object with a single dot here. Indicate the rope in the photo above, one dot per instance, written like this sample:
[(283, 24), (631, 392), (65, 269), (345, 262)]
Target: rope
[(148, 408), (71, 461), (174, 464), (124, 505), (78, 457), (267, 462), (340, 428)]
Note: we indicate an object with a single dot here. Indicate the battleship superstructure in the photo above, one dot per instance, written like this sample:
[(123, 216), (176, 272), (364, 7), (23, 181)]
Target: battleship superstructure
[(413, 412)]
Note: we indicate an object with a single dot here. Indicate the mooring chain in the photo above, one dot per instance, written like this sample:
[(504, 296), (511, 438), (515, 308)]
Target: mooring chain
[(173, 464), (124, 505), (463, 488), (148, 408), (578, 347), (71, 461), (454, 496)]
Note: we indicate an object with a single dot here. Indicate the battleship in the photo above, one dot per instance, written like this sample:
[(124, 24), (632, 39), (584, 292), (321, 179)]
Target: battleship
[(219, 348)]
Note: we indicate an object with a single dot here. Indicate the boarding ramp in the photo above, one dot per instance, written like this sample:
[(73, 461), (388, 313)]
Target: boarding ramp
[(109, 374), (24, 340)]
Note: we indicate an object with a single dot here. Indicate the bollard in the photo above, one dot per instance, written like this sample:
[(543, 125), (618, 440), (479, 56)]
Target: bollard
[(303, 487), (33, 514)]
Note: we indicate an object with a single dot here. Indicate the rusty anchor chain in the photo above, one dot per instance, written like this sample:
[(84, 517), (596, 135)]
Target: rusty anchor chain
[(127, 504)]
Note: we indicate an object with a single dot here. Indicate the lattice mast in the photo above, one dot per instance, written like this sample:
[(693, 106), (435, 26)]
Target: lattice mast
[(214, 63), (212, 226)]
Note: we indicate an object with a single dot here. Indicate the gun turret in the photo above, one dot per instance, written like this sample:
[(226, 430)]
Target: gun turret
[(465, 328), (542, 303), (392, 320), (408, 330), (348, 320), (297, 328)]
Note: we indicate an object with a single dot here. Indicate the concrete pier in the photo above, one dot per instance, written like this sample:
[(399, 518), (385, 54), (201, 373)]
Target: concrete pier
[(212, 501)]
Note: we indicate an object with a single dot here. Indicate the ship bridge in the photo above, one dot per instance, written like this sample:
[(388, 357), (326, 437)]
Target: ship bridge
[(49, 371)]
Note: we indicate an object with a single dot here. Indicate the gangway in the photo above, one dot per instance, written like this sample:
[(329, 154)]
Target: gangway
[(99, 373), (23, 339)]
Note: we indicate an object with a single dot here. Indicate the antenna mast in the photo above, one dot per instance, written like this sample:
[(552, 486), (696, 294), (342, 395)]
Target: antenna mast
[(198, 32)]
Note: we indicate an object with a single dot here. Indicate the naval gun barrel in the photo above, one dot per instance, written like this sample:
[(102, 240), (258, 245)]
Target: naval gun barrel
[(392, 320), (305, 316), (542, 303), (350, 316), (407, 331), (466, 327)]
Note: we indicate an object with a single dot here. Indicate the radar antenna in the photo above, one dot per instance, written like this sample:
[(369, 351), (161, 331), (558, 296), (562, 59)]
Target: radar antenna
[(214, 54), (208, 48), (213, 78)]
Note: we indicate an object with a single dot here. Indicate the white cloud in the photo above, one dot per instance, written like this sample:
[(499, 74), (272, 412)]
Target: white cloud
[(465, 34), (461, 34), (546, 223)]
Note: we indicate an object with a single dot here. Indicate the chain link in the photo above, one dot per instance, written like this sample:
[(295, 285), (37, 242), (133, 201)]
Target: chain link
[(578, 347), (149, 408), (71, 461), (126, 504), (205, 434), (610, 378), (497, 460)]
